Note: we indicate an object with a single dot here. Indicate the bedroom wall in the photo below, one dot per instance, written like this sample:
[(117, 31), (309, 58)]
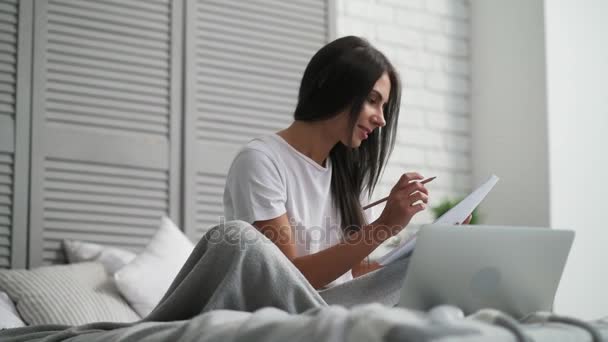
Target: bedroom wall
[(540, 118), (578, 121), (428, 42), (509, 111)]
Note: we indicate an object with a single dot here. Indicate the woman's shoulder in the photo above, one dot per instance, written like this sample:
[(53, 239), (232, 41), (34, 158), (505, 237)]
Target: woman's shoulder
[(260, 149), (256, 159), (260, 143)]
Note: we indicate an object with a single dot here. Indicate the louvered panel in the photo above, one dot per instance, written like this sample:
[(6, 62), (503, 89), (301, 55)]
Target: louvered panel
[(8, 6), (309, 16), (8, 60), (135, 191), (268, 45), (220, 15), (103, 112), (116, 50), (105, 108), (239, 134), (110, 181), (241, 73), (135, 222), (275, 46), (144, 122), (7, 47), (243, 122), (115, 205), (135, 19), (87, 18), (108, 74), (148, 6), (70, 117), (240, 111), (123, 11), (8, 18), (273, 102), (90, 93), (8, 13), (217, 59), (275, 98), (209, 187), (220, 84), (6, 204), (5, 178), (261, 109), (247, 59), (120, 87), (97, 170), (8, 82), (108, 65), (104, 65), (261, 57), (102, 105)]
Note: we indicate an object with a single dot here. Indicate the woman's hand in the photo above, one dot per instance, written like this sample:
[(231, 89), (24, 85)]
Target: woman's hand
[(364, 268), (407, 198)]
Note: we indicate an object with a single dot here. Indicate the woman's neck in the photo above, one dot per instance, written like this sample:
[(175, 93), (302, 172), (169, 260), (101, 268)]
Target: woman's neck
[(311, 139)]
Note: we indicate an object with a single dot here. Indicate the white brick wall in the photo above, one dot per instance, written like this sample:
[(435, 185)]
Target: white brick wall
[(428, 42)]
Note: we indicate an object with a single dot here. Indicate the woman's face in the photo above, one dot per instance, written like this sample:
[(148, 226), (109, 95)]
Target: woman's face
[(372, 112)]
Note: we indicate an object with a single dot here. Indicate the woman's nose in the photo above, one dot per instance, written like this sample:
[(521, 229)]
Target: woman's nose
[(379, 120)]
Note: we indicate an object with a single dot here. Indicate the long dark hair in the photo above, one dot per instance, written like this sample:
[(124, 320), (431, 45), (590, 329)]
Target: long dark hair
[(341, 75)]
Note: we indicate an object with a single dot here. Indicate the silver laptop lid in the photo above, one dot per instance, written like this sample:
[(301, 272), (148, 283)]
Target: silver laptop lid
[(512, 269)]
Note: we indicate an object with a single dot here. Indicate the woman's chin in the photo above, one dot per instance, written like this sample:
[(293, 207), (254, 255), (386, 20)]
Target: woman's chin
[(356, 143)]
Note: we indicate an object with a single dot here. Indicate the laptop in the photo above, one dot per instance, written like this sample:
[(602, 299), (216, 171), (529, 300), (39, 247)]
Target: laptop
[(512, 269)]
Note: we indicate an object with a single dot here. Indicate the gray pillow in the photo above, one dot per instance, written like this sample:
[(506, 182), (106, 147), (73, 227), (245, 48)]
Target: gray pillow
[(66, 294)]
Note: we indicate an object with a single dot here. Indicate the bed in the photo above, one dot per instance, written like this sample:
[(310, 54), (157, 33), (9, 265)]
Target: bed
[(87, 301)]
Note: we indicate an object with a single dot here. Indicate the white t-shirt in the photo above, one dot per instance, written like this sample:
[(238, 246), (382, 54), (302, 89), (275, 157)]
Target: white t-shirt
[(269, 178)]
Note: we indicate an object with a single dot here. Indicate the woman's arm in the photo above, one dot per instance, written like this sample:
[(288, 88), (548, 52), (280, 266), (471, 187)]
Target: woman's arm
[(325, 266)]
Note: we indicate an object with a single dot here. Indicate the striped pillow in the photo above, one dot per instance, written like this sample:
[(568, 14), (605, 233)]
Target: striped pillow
[(66, 294)]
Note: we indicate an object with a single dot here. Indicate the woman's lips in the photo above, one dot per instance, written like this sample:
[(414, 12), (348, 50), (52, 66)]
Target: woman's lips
[(364, 132)]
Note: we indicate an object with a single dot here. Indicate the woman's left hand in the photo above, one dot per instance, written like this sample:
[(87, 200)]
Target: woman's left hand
[(468, 219), (364, 268)]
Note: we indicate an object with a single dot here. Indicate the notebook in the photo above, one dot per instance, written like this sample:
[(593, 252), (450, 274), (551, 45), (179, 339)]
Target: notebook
[(455, 215)]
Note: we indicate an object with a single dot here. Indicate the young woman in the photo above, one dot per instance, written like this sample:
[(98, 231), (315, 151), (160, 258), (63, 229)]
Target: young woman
[(293, 200), (302, 187)]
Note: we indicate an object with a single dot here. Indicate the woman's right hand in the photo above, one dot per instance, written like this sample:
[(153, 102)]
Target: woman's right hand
[(400, 207)]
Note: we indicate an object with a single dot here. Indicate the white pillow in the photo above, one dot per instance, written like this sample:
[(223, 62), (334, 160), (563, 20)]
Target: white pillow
[(144, 281), (111, 258), (9, 317)]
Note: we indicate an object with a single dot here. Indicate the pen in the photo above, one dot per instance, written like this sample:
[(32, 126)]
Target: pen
[(385, 198)]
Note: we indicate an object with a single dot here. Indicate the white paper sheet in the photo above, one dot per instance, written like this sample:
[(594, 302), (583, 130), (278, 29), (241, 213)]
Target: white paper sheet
[(453, 216)]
